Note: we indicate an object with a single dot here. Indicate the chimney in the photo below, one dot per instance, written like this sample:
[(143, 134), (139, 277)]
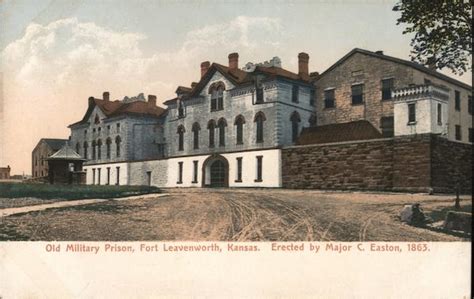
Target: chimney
[(204, 67), (106, 96), (303, 60), (431, 63), (379, 52), (91, 101), (193, 84), (234, 61), (151, 100)]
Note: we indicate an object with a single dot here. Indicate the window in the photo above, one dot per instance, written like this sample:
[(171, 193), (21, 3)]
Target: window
[(180, 109), (312, 97), (196, 129), (99, 149), (118, 127), (86, 145), (118, 141), (180, 173), (108, 176), (217, 96), (313, 120), (469, 104), (458, 132), (411, 113), (78, 148), (180, 138), (98, 176), (457, 100), (294, 93), (259, 119), (221, 124), (239, 170), (295, 120), (259, 168), (387, 86), (93, 176), (85, 133), (108, 143), (117, 181), (97, 119), (239, 126), (470, 135), (211, 127), (259, 94), (329, 98), (386, 124), (195, 171), (357, 94), (439, 115), (93, 149), (99, 130)]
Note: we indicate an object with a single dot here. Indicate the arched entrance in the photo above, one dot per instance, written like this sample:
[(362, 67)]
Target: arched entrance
[(215, 172)]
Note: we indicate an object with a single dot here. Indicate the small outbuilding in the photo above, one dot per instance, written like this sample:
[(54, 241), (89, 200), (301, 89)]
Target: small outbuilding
[(65, 167)]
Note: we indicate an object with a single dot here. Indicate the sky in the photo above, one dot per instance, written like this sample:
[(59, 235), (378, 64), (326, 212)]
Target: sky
[(55, 54)]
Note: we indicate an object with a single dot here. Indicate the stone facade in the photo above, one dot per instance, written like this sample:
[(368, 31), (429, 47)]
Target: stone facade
[(5, 173), (369, 68)]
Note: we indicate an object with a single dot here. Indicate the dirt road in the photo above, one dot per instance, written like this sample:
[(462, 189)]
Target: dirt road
[(232, 215)]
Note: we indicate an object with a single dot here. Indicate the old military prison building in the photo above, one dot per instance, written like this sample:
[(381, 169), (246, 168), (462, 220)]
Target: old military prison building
[(369, 122)]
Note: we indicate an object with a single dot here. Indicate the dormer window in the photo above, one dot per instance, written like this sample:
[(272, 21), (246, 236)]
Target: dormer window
[(294, 93), (217, 96), (180, 109)]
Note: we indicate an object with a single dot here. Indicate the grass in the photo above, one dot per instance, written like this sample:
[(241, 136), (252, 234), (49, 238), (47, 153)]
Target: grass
[(47, 191), (440, 213)]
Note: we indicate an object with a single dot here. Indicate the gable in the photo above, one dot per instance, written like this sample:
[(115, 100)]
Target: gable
[(215, 78), (96, 112)]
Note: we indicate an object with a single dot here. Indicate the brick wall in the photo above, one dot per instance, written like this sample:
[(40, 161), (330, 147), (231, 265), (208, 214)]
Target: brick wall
[(451, 163), (352, 166)]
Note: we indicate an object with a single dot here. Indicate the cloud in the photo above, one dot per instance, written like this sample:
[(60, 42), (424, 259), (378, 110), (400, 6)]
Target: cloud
[(51, 70)]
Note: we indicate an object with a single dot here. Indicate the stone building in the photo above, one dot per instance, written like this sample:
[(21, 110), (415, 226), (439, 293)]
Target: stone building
[(43, 149), (370, 121), (360, 84), (5, 173)]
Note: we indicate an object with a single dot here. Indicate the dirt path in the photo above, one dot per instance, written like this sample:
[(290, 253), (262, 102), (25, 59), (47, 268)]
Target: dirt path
[(230, 215)]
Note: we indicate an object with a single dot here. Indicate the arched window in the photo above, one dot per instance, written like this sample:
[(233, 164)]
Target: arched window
[(180, 137), (118, 142), (221, 124), (239, 126), (99, 149), (108, 143), (259, 119), (78, 148), (217, 96), (295, 120), (93, 149), (97, 119), (313, 120), (86, 145), (196, 129), (211, 125)]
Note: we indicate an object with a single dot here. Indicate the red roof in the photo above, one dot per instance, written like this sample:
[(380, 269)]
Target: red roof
[(116, 108), (350, 131)]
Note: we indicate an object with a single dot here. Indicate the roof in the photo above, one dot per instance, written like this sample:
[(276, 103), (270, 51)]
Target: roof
[(117, 108), (350, 131), (66, 153), (238, 77), (53, 143), (409, 63)]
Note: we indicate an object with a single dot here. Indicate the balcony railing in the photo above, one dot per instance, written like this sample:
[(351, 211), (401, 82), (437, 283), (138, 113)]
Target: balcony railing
[(421, 91)]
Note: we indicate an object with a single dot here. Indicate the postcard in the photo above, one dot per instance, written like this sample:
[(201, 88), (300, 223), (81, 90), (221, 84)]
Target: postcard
[(235, 149)]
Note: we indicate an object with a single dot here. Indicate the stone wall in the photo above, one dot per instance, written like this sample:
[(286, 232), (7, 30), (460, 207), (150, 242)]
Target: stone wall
[(451, 163), (416, 163), (345, 166), (411, 163)]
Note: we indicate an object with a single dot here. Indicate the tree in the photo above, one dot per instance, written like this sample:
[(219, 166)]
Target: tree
[(442, 31)]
